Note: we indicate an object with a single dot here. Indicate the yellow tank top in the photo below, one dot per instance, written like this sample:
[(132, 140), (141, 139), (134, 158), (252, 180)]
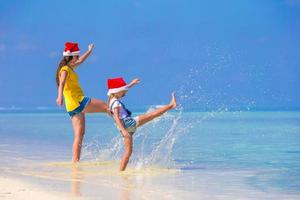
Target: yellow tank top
[(73, 93)]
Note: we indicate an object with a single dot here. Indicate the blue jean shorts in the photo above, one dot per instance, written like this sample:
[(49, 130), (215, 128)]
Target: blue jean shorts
[(130, 124), (85, 101)]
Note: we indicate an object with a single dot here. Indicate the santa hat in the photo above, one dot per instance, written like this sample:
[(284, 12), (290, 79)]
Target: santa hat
[(116, 85), (71, 49)]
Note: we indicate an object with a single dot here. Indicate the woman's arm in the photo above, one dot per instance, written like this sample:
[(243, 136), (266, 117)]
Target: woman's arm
[(119, 123), (82, 58), (62, 81), (133, 82)]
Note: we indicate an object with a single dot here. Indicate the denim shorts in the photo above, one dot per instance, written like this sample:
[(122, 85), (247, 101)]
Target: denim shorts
[(85, 101), (130, 124)]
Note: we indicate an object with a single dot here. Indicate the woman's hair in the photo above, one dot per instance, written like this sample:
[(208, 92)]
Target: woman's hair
[(64, 62)]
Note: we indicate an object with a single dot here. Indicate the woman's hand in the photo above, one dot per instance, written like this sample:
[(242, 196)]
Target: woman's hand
[(82, 58), (59, 101)]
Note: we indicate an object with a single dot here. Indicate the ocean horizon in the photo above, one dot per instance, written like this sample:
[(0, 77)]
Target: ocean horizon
[(47, 109)]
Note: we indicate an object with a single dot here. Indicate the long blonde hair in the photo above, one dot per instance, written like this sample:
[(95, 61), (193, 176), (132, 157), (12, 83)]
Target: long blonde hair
[(110, 96)]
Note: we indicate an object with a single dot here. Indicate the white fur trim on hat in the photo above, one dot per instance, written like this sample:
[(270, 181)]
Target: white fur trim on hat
[(116, 90), (69, 53)]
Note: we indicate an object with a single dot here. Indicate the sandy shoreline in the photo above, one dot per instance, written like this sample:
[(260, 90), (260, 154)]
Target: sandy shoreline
[(12, 188), (88, 184)]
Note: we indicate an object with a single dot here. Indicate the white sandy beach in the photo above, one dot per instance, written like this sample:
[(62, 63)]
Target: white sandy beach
[(11, 188), (19, 189)]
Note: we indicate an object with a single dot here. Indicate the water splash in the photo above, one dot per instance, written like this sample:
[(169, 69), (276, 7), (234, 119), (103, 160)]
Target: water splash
[(154, 143), (99, 151), (162, 152)]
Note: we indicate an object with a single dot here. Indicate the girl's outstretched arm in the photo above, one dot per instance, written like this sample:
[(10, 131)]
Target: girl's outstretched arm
[(133, 82), (62, 81), (119, 123), (82, 58)]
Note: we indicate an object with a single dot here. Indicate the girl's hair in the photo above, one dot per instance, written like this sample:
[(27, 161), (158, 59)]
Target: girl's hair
[(109, 99), (64, 62)]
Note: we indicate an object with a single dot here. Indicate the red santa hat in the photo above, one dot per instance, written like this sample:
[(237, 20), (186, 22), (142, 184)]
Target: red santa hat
[(116, 85), (71, 49)]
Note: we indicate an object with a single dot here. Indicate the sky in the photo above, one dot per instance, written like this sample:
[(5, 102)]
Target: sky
[(237, 53)]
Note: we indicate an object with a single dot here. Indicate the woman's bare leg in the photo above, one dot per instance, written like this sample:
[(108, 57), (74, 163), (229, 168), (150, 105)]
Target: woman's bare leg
[(144, 118), (95, 106), (78, 122), (127, 153)]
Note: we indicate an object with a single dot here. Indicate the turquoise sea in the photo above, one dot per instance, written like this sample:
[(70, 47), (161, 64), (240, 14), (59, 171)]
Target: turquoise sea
[(184, 154)]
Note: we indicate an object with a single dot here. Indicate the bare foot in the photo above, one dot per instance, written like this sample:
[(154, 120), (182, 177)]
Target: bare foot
[(173, 102)]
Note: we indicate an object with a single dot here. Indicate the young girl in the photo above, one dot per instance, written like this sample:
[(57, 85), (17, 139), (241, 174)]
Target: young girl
[(117, 88), (76, 103)]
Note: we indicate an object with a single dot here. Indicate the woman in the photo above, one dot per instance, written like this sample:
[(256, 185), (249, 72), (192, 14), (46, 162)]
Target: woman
[(76, 103)]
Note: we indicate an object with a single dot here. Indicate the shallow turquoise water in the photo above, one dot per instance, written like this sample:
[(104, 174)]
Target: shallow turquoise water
[(259, 151)]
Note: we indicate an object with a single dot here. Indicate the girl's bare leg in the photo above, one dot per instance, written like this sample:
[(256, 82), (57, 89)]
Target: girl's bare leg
[(95, 106), (78, 122), (127, 153), (147, 117)]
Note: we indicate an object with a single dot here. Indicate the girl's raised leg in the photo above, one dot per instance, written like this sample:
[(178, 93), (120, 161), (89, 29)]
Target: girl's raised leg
[(95, 106), (78, 122), (147, 117)]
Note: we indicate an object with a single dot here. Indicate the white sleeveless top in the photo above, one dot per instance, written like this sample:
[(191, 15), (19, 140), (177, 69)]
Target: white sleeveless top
[(114, 103)]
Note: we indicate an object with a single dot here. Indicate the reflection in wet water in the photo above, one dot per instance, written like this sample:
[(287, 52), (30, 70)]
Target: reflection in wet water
[(76, 178)]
